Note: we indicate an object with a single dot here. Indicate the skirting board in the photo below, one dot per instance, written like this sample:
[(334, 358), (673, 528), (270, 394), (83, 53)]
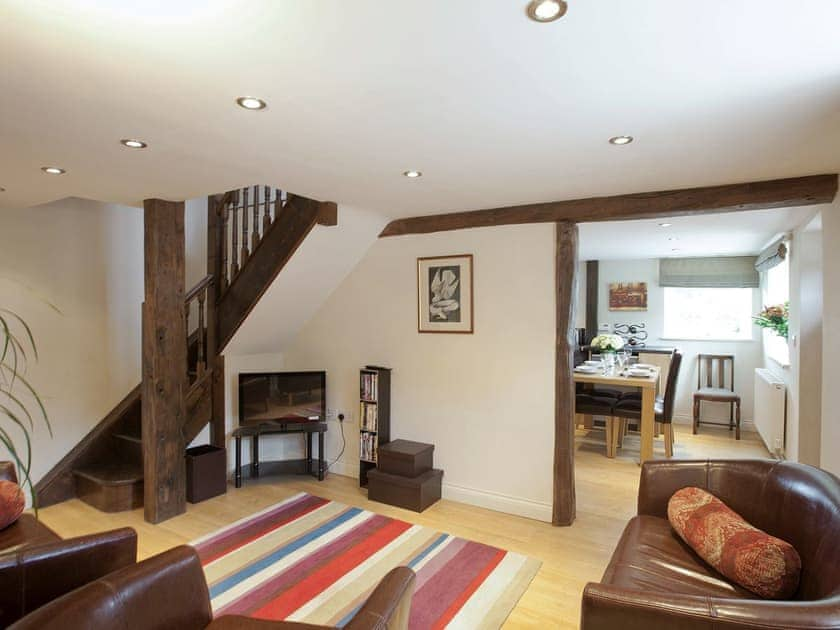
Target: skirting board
[(746, 425), (479, 498), (498, 502)]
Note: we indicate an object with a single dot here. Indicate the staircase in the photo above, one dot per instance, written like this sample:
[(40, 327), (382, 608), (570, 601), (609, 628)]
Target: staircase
[(252, 234)]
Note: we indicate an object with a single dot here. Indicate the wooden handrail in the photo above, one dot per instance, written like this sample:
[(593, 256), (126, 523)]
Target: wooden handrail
[(200, 285)]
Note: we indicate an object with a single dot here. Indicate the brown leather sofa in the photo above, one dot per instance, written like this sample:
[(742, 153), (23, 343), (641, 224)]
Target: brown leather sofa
[(656, 581), (169, 591), (37, 566)]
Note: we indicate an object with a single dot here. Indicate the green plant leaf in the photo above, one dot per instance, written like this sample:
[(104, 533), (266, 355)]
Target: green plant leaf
[(37, 399), (27, 329), (10, 414)]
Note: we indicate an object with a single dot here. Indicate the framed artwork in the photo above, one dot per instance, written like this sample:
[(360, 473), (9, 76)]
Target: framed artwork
[(628, 296), (445, 294)]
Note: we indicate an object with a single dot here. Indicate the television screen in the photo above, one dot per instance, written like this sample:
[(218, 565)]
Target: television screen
[(282, 396)]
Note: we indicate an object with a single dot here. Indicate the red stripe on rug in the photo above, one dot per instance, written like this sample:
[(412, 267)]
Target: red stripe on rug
[(214, 552), (315, 583), (432, 601), (471, 588)]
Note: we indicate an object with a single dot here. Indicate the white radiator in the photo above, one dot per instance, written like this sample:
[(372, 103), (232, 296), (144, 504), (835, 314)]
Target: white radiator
[(770, 410)]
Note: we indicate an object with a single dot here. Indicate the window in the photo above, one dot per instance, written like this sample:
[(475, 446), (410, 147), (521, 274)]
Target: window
[(708, 313), (776, 291)]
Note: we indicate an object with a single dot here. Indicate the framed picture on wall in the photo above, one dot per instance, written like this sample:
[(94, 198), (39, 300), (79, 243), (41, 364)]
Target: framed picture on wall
[(445, 294), (628, 296)]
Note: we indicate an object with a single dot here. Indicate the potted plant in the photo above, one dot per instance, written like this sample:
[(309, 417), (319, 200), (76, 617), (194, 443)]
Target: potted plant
[(20, 404), (775, 318)]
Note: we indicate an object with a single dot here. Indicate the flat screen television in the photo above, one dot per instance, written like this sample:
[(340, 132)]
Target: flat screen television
[(271, 396)]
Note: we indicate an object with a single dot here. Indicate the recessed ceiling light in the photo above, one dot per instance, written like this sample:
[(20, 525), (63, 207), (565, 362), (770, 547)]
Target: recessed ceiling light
[(673, 238), (53, 170), (2, 189), (251, 102), (675, 249), (619, 140), (664, 225), (412, 174), (133, 144), (546, 10)]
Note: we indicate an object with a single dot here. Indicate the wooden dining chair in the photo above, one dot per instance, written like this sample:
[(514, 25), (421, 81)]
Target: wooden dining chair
[(713, 372)]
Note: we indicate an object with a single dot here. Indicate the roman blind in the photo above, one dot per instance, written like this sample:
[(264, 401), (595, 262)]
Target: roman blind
[(771, 256), (717, 272)]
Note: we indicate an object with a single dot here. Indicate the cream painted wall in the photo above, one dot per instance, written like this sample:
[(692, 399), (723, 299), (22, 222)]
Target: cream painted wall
[(485, 400), (84, 258), (748, 354), (830, 433)]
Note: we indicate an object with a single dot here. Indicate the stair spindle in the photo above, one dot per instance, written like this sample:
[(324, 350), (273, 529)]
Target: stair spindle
[(234, 243), (201, 362), (266, 222), (278, 203), (244, 256), (223, 242), (255, 234)]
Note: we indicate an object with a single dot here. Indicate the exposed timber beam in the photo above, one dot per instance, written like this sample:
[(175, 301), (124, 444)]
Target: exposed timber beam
[(164, 361), (776, 193), (566, 279)]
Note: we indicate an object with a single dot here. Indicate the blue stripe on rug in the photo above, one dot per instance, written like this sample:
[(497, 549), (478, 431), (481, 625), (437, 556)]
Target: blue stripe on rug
[(254, 568)]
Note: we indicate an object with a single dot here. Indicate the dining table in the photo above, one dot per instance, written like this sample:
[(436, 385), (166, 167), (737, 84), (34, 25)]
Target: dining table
[(649, 386)]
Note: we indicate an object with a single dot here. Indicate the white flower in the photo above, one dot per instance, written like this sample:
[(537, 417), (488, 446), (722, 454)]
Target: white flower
[(607, 342)]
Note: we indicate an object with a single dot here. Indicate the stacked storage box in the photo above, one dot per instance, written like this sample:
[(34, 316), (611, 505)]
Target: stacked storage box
[(405, 476)]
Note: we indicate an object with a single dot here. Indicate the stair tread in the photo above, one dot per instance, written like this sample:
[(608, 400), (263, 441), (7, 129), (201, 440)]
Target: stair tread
[(116, 473)]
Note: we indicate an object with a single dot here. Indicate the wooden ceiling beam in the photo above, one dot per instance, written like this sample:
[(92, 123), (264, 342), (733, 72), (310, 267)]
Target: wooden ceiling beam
[(776, 193)]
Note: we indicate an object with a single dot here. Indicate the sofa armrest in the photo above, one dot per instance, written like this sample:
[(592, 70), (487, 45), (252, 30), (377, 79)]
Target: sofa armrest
[(162, 592), (606, 606), (662, 478), (36, 574), (389, 605)]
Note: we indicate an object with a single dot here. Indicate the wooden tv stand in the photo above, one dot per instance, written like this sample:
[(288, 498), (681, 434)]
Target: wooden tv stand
[(279, 427)]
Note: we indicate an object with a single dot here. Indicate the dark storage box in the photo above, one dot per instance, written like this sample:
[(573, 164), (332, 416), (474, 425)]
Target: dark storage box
[(206, 472), (405, 458), (411, 493)]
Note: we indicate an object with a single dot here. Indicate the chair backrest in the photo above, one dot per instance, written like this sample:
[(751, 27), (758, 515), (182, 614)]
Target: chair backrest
[(714, 370), (389, 605), (165, 591), (671, 386)]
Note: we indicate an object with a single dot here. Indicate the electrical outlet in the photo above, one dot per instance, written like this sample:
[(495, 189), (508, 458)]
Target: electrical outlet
[(604, 328), (332, 414)]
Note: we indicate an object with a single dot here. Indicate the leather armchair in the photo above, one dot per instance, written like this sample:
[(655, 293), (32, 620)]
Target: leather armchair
[(655, 581), (33, 575), (169, 591)]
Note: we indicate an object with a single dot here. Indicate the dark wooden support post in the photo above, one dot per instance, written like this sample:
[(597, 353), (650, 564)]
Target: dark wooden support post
[(215, 253), (164, 358), (564, 396), (591, 299)]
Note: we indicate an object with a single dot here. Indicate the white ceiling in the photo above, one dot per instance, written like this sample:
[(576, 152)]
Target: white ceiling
[(733, 234), (493, 108)]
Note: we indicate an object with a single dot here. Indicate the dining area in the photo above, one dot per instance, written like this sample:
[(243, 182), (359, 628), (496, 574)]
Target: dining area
[(628, 390)]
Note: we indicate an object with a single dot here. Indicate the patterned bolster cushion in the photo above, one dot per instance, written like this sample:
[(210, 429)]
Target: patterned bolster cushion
[(12, 503), (757, 561)]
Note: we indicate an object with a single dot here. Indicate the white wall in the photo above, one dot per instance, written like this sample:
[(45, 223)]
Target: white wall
[(485, 400), (830, 431), (73, 269), (748, 354)]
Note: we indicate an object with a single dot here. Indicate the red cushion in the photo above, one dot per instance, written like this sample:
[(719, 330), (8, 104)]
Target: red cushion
[(12, 503), (759, 562)]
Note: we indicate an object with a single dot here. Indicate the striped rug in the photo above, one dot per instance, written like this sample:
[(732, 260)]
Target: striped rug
[(313, 560)]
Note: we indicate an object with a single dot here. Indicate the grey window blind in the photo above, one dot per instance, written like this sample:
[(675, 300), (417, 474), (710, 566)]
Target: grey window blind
[(772, 256), (718, 272)]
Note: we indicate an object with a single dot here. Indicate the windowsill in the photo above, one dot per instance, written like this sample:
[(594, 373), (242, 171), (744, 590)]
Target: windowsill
[(707, 339)]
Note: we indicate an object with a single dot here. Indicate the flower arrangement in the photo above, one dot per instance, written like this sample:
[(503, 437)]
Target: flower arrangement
[(775, 318), (607, 343)]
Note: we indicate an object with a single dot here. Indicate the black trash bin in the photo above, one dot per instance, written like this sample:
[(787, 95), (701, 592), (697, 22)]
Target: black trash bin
[(206, 472)]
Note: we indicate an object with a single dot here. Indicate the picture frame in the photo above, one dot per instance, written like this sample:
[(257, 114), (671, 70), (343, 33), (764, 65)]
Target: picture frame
[(445, 294), (628, 296)]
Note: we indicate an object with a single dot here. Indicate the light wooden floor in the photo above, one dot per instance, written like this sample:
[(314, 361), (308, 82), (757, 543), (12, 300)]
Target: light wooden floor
[(571, 556)]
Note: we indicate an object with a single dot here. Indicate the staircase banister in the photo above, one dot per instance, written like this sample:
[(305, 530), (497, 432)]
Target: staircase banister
[(198, 288)]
